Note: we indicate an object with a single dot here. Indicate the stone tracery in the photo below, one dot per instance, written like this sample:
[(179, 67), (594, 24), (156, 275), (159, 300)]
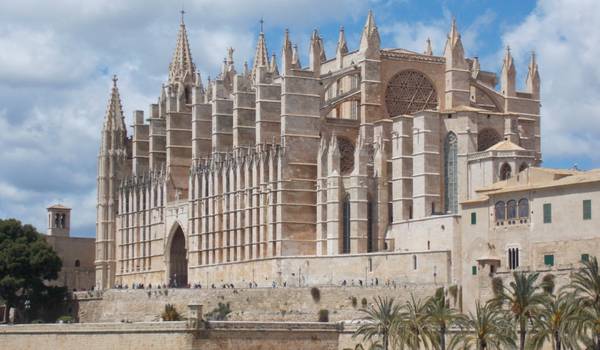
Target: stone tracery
[(410, 91)]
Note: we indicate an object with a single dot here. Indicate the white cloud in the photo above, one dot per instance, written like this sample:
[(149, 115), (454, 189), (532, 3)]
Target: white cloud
[(565, 36)]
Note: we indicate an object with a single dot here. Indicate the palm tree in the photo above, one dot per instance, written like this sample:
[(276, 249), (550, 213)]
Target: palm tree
[(441, 315), (412, 328), (524, 298), (488, 328), (378, 321), (585, 284), (556, 323)]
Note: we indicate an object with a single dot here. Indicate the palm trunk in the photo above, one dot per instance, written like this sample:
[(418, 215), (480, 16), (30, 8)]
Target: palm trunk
[(443, 338), (522, 335), (385, 341), (557, 343)]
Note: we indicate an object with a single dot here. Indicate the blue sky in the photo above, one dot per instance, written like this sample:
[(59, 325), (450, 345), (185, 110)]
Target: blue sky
[(56, 60)]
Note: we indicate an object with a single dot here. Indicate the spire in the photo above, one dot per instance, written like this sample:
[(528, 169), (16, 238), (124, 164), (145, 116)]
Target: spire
[(428, 49), (476, 67), (273, 65), (114, 118), (181, 64), (342, 46), (454, 51), (316, 55), (369, 40), (261, 57), (508, 78), (286, 54), (533, 77), (296, 58)]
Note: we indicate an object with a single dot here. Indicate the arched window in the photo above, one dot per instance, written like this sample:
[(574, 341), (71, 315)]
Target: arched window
[(450, 173), (346, 225), (523, 208), (500, 210), (77, 263), (370, 237), (486, 138), (523, 166), (511, 209), (505, 171)]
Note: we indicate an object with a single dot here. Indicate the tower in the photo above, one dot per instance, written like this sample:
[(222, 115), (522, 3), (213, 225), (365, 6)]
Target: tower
[(59, 220), (457, 71), (111, 168)]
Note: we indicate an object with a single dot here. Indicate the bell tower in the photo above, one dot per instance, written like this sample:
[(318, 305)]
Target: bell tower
[(59, 220)]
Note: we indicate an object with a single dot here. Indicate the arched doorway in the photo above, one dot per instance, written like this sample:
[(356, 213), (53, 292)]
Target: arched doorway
[(178, 260)]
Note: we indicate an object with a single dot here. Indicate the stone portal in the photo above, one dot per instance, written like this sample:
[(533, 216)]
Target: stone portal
[(178, 260)]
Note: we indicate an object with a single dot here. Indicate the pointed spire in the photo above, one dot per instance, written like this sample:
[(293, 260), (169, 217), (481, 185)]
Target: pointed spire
[(342, 46), (508, 78), (454, 35), (476, 67), (316, 52), (114, 118), (533, 77), (296, 58), (454, 51), (246, 72), (273, 65), (428, 49), (369, 40), (181, 63), (261, 57), (286, 53)]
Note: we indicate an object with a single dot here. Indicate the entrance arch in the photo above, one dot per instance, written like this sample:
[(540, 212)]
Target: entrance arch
[(177, 263)]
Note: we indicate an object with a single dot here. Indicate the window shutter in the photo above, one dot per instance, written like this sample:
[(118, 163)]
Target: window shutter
[(547, 213), (587, 209), (549, 260), (473, 218), (473, 270)]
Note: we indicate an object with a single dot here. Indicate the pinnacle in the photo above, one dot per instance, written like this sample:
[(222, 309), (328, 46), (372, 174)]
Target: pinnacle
[(261, 57), (182, 63), (114, 118), (342, 46)]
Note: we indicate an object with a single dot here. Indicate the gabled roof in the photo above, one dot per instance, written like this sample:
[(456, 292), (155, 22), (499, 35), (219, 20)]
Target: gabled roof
[(58, 206), (506, 145)]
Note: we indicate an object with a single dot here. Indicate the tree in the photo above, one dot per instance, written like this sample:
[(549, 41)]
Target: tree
[(524, 298), (441, 315), (26, 262), (585, 283), (488, 328), (378, 321), (555, 323), (413, 326)]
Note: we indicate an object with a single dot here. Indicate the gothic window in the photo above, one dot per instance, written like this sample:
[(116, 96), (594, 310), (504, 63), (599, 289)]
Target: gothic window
[(505, 171), (414, 262), (346, 155), (408, 92), (513, 258), (500, 210), (370, 226), (77, 263), (486, 138), (523, 208), (450, 173), (511, 209), (346, 225)]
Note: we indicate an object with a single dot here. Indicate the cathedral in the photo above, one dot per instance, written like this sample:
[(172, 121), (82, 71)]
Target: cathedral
[(366, 163)]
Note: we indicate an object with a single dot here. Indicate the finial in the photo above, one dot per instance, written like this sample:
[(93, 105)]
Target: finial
[(114, 79), (262, 22), (182, 14)]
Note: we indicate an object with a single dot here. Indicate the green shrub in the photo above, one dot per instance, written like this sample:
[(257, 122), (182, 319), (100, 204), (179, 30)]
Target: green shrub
[(170, 313), (65, 319), (316, 294), (323, 315), (219, 313)]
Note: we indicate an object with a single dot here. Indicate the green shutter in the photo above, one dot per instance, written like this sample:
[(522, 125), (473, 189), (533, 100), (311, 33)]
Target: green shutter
[(585, 257), (547, 213), (587, 209), (473, 218), (473, 270), (549, 260)]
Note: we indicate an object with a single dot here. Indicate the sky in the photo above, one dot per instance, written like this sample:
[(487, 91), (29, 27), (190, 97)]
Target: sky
[(57, 59)]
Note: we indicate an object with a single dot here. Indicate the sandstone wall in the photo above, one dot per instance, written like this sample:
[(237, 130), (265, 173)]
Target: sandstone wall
[(257, 304)]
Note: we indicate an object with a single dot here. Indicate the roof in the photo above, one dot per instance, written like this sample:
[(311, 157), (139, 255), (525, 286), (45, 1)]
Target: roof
[(538, 178), (506, 145), (58, 206)]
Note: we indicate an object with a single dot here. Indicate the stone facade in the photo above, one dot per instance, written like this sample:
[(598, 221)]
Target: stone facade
[(371, 155), (76, 253)]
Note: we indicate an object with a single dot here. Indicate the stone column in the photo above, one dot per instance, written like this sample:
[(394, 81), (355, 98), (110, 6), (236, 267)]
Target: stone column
[(426, 164), (402, 162)]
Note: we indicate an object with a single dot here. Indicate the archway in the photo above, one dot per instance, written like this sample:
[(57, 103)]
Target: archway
[(178, 260)]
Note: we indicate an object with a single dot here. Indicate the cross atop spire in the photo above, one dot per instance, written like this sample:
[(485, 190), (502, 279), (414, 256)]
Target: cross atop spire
[(262, 22), (182, 14), (114, 79), (181, 63)]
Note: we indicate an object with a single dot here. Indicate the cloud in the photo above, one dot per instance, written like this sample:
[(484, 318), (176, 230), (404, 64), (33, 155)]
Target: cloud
[(565, 35)]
